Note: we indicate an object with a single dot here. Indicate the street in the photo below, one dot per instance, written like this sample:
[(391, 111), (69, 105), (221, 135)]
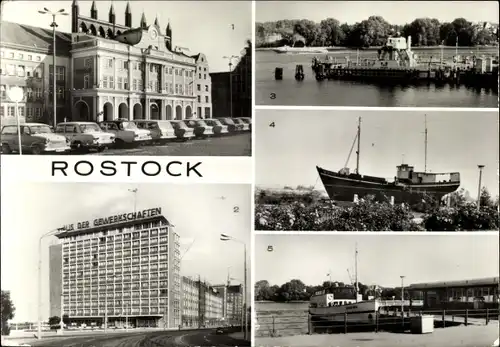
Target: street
[(234, 145), (142, 339)]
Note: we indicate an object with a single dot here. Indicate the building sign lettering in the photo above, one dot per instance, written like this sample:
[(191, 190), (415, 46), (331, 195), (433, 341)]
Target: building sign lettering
[(124, 217)]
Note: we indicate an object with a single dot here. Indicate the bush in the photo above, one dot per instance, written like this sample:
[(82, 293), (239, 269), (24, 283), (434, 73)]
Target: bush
[(366, 215), (462, 218)]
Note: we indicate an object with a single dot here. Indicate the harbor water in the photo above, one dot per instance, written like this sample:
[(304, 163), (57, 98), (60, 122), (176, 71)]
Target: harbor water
[(310, 92)]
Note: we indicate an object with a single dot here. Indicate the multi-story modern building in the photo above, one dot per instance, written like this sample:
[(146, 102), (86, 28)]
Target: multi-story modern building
[(105, 70), (237, 94), (26, 59), (135, 73), (127, 265), (232, 296), (202, 304)]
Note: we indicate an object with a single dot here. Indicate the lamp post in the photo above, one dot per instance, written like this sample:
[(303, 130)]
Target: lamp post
[(480, 167), (225, 237), (52, 232), (16, 94), (230, 58), (402, 301), (54, 26)]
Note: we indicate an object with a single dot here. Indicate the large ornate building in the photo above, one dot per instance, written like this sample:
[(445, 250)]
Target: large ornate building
[(135, 73), (105, 70)]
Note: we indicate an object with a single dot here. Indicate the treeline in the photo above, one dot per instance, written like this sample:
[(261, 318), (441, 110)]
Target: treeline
[(374, 32), (296, 290)]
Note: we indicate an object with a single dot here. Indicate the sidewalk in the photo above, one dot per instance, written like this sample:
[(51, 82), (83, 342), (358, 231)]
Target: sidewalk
[(461, 336)]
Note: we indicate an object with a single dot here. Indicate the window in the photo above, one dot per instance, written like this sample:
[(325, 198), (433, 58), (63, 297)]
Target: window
[(199, 76), (11, 69), (206, 88), (3, 92), (109, 63), (198, 87), (206, 98), (60, 93), (38, 93), (199, 98), (20, 111), (11, 111), (59, 73), (125, 83), (204, 76), (11, 55), (38, 58), (134, 84), (207, 112), (20, 71), (29, 112), (88, 62), (125, 65), (86, 81), (120, 82), (30, 57), (29, 93), (38, 72)]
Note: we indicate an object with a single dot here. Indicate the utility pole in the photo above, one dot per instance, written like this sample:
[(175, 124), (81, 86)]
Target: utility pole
[(359, 146), (402, 301), (425, 167)]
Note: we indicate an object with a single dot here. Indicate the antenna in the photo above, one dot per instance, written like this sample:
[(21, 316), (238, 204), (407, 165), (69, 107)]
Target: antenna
[(425, 165), (356, 270), (359, 140)]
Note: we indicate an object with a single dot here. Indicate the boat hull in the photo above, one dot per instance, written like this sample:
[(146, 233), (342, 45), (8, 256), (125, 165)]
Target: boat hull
[(361, 312), (343, 188)]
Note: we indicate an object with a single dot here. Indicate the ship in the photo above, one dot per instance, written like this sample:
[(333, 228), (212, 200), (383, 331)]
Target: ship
[(409, 186), (346, 305), (304, 50)]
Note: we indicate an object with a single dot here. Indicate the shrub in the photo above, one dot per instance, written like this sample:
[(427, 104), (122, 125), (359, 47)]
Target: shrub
[(462, 218), (366, 215)]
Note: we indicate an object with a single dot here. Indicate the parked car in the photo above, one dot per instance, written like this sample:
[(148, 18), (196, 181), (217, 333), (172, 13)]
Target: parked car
[(161, 130), (85, 135), (36, 138), (182, 131), (220, 331), (201, 129), (126, 132), (231, 125), (245, 126), (247, 120), (219, 128)]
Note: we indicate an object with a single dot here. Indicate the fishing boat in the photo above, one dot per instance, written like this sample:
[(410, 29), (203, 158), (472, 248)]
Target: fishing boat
[(409, 186), (346, 305)]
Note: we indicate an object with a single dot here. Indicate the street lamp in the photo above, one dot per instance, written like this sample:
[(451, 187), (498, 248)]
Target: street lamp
[(52, 232), (402, 300), (479, 187), (225, 237), (54, 26), (230, 58), (16, 94)]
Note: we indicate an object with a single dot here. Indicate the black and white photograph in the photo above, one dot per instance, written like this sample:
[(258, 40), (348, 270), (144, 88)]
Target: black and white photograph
[(378, 291), (377, 53), (376, 170), (148, 78), (95, 265)]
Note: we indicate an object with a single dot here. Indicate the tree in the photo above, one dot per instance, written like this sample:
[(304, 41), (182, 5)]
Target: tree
[(8, 310), (485, 199), (54, 320), (263, 291)]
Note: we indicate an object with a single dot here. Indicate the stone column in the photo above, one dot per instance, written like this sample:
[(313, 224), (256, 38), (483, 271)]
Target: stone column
[(130, 109), (146, 108), (97, 72)]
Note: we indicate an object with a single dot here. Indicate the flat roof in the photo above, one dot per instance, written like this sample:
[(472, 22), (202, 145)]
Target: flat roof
[(92, 230), (463, 283)]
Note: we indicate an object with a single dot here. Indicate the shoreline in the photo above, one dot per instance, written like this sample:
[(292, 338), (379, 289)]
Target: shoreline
[(338, 48)]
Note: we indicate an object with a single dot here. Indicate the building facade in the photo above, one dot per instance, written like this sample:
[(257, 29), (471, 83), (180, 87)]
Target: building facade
[(234, 98), (232, 296), (475, 293), (132, 73), (26, 61), (126, 265), (202, 304)]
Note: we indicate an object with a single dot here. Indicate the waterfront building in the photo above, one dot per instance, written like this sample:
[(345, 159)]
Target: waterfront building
[(202, 304), (238, 93), (127, 265), (474, 293), (232, 302), (26, 61)]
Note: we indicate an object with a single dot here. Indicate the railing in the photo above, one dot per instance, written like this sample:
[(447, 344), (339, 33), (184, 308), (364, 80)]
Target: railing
[(387, 319)]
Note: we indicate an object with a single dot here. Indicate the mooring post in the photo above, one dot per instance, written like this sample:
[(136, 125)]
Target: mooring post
[(345, 322), (487, 316), (274, 330), (466, 316), (392, 200), (356, 199), (444, 324), (376, 322), (309, 324)]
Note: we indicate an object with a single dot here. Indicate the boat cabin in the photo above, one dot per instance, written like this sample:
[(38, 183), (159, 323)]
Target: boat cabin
[(328, 300), (406, 174)]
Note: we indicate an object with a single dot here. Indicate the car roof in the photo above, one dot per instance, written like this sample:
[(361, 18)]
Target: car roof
[(76, 123), (27, 124)]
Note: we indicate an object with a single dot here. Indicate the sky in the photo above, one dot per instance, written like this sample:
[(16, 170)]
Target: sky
[(458, 141), (197, 211), (201, 26), (395, 12), (382, 259)]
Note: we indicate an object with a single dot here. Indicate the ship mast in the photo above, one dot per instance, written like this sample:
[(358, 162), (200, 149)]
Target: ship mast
[(359, 140), (425, 167)]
